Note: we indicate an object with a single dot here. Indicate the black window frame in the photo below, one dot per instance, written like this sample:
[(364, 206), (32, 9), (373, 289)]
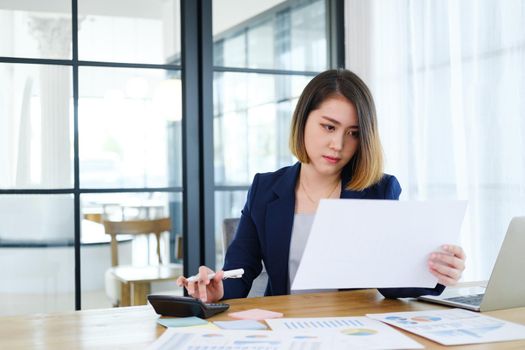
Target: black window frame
[(197, 69)]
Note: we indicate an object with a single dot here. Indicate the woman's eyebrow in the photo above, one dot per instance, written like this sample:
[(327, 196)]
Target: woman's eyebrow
[(331, 120), (336, 122)]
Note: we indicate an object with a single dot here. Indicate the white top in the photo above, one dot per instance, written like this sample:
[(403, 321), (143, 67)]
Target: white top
[(302, 225)]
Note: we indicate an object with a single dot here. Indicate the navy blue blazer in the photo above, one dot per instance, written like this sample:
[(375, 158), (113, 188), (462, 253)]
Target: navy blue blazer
[(265, 229)]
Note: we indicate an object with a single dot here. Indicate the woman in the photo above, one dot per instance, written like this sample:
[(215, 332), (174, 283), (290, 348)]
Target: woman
[(334, 136)]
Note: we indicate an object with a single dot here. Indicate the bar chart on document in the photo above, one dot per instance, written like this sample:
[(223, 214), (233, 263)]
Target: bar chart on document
[(317, 323), (347, 332)]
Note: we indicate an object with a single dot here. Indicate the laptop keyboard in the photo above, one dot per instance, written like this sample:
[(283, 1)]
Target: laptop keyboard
[(474, 299)]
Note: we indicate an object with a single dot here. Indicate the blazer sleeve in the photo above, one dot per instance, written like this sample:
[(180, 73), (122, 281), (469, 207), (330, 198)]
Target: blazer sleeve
[(392, 188), (244, 251), (392, 191)]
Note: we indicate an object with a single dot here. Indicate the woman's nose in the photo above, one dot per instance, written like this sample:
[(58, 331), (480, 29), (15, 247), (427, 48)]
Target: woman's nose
[(337, 142)]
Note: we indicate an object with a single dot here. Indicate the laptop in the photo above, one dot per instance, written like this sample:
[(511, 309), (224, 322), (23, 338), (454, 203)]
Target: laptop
[(506, 286)]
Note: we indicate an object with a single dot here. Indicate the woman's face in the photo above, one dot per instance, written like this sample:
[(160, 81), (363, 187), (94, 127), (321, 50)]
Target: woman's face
[(331, 135)]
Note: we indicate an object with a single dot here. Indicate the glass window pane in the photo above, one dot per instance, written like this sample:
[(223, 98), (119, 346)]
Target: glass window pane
[(130, 127), (129, 31), (259, 37), (37, 29), (237, 45), (270, 34), (100, 290), (252, 114), (308, 33), (40, 227), (35, 126), (252, 123)]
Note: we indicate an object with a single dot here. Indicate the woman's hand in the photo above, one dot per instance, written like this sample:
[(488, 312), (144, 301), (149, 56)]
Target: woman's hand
[(448, 264), (209, 291)]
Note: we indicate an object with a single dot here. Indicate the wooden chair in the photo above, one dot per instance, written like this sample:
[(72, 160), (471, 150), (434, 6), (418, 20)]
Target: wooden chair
[(95, 217), (129, 285), (179, 249), (229, 229)]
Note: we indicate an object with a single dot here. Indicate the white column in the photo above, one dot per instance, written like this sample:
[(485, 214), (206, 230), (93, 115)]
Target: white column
[(7, 104), (54, 38), (23, 164)]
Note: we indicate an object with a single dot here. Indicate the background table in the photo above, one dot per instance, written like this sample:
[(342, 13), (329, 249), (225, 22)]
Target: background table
[(136, 281)]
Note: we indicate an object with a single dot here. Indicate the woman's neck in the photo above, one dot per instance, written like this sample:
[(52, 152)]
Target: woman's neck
[(313, 179), (312, 187)]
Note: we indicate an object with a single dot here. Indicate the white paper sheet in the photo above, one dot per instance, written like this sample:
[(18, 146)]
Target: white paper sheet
[(186, 339), (352, 332), (376, 243), (454, 326)]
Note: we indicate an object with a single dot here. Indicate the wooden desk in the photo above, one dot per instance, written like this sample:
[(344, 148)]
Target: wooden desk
[(136, 327), (136, 280)]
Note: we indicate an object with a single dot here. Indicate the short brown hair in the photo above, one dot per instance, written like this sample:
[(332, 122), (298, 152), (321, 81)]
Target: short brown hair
[(367, 164)]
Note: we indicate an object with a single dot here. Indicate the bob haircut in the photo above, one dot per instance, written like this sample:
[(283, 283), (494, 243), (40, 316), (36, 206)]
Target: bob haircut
[(366, 166)]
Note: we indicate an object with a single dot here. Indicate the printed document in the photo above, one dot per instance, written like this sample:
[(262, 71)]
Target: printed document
[(352, 332), (454, 326), (376, 243), (351, 338)]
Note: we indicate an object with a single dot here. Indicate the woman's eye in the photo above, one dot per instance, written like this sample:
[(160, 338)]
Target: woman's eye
[(353, 133), (328, 127)]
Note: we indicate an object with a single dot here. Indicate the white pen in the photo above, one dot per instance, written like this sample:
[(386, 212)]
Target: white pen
[(237, 273)]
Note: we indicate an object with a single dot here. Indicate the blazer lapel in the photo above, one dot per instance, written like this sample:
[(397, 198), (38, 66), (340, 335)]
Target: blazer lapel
[(349, 194), (279, 222)]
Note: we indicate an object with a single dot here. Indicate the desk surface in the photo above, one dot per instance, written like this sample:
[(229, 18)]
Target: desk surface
[(136, 327)]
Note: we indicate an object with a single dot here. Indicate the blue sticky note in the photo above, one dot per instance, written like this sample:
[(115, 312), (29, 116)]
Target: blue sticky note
[(181, 321), (241, 324)]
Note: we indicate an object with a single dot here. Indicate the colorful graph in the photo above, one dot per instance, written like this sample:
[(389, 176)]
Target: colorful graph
[(426, 318), (358, 331), (257, 343), (395, 318), (305, 337), (257, 336), (400, 320), (212, 335), (478, 332)]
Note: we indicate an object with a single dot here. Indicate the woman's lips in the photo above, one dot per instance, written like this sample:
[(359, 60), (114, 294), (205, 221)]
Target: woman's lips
[(331, 160)]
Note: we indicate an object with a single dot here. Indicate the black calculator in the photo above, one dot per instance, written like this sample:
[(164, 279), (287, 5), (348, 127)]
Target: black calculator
[(171, 305)]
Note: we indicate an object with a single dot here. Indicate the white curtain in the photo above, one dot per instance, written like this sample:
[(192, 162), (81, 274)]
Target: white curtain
[(448, 79)]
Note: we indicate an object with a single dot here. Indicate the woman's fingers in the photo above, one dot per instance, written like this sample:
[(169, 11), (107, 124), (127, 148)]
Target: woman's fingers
[(455, 250), (191, 288), (443, 279), (448, 260), (181, 281), (218, 276), (445, 270), (204, 288), (448, 264), (203, 283)]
